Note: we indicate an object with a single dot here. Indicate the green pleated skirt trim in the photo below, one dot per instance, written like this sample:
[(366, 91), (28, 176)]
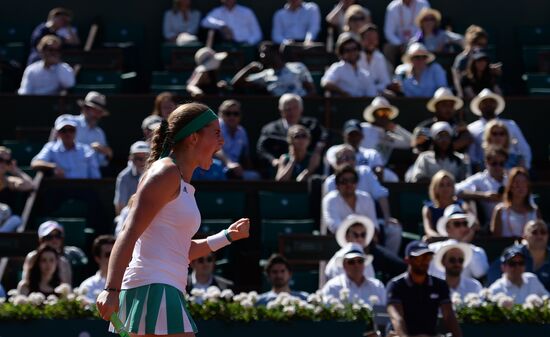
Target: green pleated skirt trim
[(157, 309)]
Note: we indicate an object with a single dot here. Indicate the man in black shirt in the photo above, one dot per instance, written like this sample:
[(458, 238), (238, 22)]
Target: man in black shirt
[(415, 297)]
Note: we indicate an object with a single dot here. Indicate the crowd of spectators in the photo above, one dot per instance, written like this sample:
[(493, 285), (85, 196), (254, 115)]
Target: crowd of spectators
[(478, 173)]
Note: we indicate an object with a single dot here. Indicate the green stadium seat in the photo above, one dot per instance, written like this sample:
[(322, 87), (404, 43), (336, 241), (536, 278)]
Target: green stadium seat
[(179, 57), (23, 151), (284, 205), (410, 209), (536, 59), (71, 208), (538, 84), (305, 280), (105, 81), (14, 32), (210, 226), (271, 229), (317, 75), (221, 204), (169, 81), (13, 51), (534, 35), (123, 33)]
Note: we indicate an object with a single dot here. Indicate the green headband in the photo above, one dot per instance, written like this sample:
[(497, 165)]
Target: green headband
[(196, 124)]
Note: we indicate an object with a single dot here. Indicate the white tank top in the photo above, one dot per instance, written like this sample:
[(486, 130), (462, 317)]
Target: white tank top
[(161, 254), (513, 222)]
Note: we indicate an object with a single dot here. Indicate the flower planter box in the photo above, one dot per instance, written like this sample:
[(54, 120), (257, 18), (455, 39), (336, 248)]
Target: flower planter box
[(505, 330), (210, 328)]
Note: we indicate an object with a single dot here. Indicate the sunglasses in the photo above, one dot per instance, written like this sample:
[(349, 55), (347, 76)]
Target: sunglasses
[(442, 136), (353, 262), (345, 158), (5, 161), (458, 224), (454, 260), (496, 163), (515, 263), (345, 181), (208, 259), (300, 136), (539, 232), (419, 57), (350, 50), (501, 133), (232, 113), (359, 235), (53, 236), (67, 130), (383, 113), (429, 18)]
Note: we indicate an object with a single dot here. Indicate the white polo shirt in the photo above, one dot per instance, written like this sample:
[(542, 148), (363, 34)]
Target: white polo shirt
[(531, 285), (335, 209), (368, 288), (356, 82), (466, 286)]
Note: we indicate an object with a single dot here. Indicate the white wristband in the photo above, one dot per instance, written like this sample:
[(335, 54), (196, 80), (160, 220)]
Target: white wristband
[(217, 241)]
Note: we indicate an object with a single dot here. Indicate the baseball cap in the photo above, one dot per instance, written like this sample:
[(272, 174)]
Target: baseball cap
[(49, 226), (353, 250), (140, 147), (352, 125), (417, 248), (151, 122), (440, 127), (510, 252), (64, 120)]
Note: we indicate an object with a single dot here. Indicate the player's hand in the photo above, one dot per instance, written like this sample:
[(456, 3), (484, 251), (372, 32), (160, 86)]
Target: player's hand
[(239, 229), (107, 304)]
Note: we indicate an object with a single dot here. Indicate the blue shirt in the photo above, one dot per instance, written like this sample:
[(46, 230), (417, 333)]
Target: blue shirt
[(126, 184), (2, 292), (433, 78), (78, 163), (269, 296), (235, 146), (215, 172), (88, 135), (296, 25), (543, 273)]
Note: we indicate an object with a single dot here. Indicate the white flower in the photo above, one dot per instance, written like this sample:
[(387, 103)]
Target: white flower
[(13, 292), (456, 299), (356, 307), (374, 300), (71, 297), (310, 307), (472, 297), (83, 299), (63, 289), (534, 300), (314, 299), (253, 296), (302, 304), (474, 303), (366, 307), (506, 302), (20, 299), (272, 305), (246, 303), (286, 301), (37, 298), (318, 310), (240, 297), (483, 293), (197, 292), (211, 298), (289, 310), (333, 301), (344, 294), (2, 300), (338, 307), (84, 290), (227, 294), (213, 291)]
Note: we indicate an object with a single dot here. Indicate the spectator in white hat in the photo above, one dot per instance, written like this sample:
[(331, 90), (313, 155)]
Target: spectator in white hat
[(379, 130), (205, 77), (149, 125), (488, 106), (353, 261), (451, 259), (66, 157), (345, 78), (446, 107), (52, 233), (419, 75), (128, 179), (93, 109), (440, 157), (458, 226)]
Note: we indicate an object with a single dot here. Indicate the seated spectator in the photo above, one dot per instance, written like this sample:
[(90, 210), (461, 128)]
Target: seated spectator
[(442, 194), (399, 26), (372, 59), (516, 209), (181, 23), (43, 272), (165, 103), (234, 22), (459, 226), (417, 289), (479, 76), (65, 156), (101, 251), (149, 125), (445, 106), (128, 179), (380, 132), (345, 78), (515, 282), (203, 275), (419, 75), (354, 262), (235, 152), (275, 75), (486, 187), (347, 199), (487, 106), (12, 181), (368, 182), (441, 157), (51, 233), (496, 134), (205, 76), (217, 171), (272, 142), (297, 21), (279, 274), (298, 164), (59, 25), (47, 75), (336, 17), (93, 109), (536, 251), (452, 259), (435, 38), (355, 18)]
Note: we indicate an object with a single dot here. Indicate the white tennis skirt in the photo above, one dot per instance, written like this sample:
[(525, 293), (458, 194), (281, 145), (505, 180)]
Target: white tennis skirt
[(156, 308)]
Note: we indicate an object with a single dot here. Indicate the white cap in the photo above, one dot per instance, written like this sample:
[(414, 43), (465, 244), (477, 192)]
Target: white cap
[(64, 120), (439, 127), (140, 147), (48, 227)]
